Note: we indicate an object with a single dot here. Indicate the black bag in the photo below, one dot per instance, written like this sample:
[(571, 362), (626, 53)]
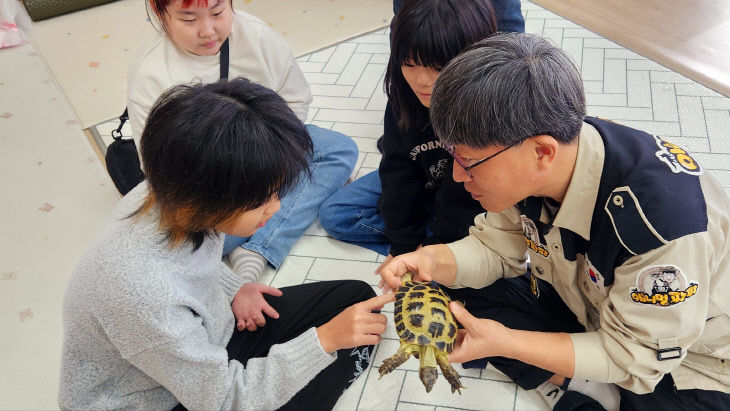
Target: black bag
[(122, 160)]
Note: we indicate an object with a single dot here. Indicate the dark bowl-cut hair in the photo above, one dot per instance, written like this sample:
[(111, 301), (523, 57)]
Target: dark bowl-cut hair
[(506, 89), (213, 151), (430, 33)]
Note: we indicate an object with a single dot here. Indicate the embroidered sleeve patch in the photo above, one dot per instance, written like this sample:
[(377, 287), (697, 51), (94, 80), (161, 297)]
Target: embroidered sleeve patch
[(532, 237), (662, 286), (678, 160)]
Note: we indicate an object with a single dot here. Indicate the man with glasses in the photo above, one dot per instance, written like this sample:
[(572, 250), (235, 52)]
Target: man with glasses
[(595, 212)]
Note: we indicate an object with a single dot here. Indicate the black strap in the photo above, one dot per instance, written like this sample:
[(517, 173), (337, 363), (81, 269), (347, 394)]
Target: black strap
[(224, 60), (117, 134)]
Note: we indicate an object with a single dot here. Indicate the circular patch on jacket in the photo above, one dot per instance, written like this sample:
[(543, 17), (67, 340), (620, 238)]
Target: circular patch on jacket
[(663, 286)]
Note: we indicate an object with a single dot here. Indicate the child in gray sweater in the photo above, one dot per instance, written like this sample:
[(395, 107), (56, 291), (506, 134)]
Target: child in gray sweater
[(150, 312)]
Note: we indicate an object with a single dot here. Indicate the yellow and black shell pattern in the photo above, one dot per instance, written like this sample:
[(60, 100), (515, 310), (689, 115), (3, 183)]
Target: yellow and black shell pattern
[(422, 316)]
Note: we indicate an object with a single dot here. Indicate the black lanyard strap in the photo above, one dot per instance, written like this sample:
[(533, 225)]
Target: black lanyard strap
[(224, 60)]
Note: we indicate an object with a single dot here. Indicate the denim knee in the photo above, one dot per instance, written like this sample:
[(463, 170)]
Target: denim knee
[(330, 217), (333, 146)]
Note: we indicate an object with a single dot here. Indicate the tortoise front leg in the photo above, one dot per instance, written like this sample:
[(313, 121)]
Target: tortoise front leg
[(391, 363)]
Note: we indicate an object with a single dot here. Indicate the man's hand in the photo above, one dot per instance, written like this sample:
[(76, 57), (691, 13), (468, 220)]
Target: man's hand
[(249, 306), (419, 262), (355, 326), (479, 338)]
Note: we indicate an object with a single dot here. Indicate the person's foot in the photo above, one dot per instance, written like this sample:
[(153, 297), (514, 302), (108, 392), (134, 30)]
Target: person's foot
[(606, 394), (550, 393), (246, 264)]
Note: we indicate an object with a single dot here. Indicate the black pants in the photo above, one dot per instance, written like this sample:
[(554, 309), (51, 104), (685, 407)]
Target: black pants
[(510, 302), (302, 307)]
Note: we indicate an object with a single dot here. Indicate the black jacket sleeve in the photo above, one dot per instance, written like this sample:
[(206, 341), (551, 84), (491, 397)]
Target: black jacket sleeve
[(402, 200)]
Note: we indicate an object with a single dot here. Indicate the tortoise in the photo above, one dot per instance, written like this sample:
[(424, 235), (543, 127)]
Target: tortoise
[(427, 330)]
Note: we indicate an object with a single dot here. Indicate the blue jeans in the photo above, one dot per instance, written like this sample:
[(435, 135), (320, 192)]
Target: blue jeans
[(334, 159), (351, 214)]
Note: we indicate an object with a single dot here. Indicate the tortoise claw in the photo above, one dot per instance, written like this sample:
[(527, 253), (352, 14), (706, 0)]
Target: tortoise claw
[(451, 375)]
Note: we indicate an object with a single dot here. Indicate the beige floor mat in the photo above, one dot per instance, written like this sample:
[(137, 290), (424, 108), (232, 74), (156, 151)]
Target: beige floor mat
[(87, 52), (55, 197)]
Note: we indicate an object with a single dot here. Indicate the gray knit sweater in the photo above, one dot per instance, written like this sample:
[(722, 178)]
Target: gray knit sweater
[(146, 326)]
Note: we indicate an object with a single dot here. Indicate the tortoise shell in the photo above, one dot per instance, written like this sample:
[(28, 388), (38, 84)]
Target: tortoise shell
[(422, 316)]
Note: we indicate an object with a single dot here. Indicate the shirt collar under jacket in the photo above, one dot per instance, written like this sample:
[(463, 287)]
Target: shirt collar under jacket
[(576, 211)]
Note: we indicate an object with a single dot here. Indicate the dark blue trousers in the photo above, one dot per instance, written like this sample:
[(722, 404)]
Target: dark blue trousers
[(511, 302)]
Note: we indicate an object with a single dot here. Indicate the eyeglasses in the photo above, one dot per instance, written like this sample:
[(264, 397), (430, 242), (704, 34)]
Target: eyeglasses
[(460, 161)]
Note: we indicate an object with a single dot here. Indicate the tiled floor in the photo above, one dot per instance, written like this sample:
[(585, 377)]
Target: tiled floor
[(346, 81)]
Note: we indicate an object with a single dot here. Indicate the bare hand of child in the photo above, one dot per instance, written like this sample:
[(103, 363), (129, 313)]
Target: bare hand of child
[(356, 325), (249, 306)]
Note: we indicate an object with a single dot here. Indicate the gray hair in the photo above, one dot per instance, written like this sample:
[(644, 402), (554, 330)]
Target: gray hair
[(506, 89)]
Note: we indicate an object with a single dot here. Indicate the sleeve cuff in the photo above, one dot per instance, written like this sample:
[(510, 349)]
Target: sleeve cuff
[(468, 264), (591, 359), (305, 352), (230, 282)]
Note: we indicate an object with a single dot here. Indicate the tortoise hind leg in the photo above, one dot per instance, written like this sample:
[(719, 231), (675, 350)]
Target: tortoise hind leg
[(449, 372), (391, 363)]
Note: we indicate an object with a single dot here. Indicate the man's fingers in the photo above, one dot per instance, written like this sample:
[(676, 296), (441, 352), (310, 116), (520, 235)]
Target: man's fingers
[(461, 314), (425, 276), (394, 283), (384, 287), (380, 267), (390, 281), (260, 320), (385, 262), (456, 356)]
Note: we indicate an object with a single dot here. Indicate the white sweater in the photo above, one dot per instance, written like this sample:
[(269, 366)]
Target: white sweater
[(146, 327), (256, 53)]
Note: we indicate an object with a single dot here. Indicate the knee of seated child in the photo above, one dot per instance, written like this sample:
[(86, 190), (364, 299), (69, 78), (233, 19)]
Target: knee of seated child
[(330, 214), (334, 144), (326, 218), (362, 289)]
